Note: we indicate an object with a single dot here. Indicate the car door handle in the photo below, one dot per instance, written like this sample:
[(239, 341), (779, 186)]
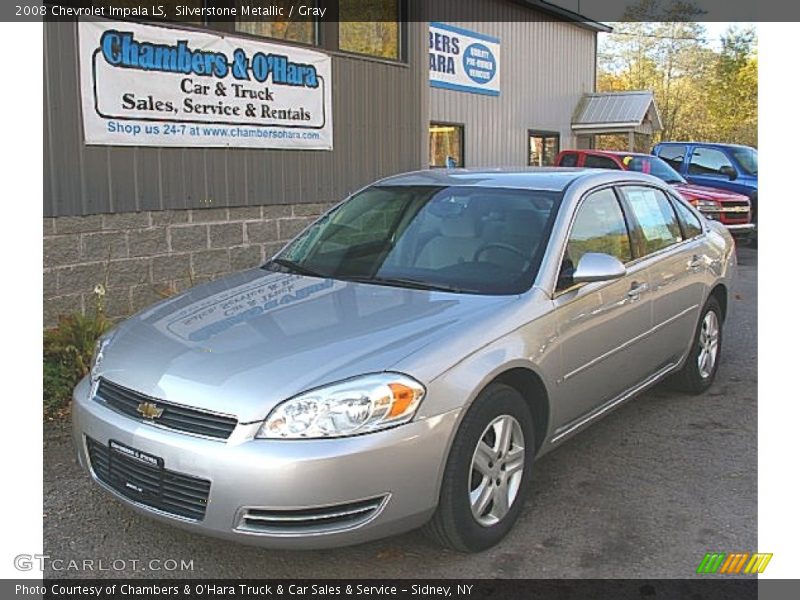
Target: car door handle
[(695, 263), (636, 290)]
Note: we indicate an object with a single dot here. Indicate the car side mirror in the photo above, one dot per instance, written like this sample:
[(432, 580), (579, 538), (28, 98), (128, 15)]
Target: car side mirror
[(729, 172), (596, 266)]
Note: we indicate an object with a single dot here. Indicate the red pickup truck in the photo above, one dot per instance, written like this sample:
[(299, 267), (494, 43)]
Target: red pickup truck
[(729, 208)]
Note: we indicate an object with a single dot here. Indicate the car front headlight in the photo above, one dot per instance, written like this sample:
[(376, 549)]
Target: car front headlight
[(706, 205), (361, 405), (97, 357)]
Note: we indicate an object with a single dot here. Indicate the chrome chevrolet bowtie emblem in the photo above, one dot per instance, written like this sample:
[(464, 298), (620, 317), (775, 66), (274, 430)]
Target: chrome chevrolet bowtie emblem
[(149, 410)]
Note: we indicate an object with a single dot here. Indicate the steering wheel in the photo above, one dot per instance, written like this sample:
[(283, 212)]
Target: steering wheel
[(499, 246)]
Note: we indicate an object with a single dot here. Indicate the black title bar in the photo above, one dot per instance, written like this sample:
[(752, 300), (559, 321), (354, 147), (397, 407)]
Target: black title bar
[(590, 12), (734, 588)]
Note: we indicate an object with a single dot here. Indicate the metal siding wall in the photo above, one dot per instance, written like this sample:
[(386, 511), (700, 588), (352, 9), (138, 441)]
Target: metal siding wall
[(545, 67), (380, 115)]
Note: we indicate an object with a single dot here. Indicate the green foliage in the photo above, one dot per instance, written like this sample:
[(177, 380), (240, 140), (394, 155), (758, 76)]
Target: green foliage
[(701, 93), (733, 105), (59, 381), (68, 350)]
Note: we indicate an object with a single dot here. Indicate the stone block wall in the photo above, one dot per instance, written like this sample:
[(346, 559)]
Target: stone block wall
[(143, 257)]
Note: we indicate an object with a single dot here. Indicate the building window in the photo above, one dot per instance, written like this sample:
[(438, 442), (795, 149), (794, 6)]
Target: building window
[(542, 148), (370, 27), (280, 26), (446, 145)]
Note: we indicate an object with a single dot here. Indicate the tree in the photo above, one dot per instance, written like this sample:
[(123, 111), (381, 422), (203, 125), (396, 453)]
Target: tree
[(733, 101), (700, 93)]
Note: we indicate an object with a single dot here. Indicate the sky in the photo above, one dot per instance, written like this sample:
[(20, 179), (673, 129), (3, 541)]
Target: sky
[(714, 30)]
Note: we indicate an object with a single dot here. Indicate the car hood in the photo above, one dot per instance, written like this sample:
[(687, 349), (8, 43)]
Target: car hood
[(702, 192), (244, 343)]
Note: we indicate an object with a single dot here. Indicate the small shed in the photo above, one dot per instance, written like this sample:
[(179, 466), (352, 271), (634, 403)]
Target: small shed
[(610, 113)]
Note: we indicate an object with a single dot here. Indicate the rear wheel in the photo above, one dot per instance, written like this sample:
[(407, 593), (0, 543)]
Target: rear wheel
[(701, 366), (487, 473)]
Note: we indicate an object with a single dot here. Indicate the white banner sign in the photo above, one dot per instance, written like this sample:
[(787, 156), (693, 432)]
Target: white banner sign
[(143, 85), (463, 60)]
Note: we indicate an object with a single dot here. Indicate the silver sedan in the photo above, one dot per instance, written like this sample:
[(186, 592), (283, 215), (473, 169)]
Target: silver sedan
[(403, 361)]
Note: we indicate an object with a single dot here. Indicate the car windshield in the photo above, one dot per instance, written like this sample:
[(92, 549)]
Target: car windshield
[(747, 159), (655, 166), (458, 239)]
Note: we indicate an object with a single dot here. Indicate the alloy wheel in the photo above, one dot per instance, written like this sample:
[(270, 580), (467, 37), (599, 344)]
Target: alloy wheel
[(496, 470), (709, 345)]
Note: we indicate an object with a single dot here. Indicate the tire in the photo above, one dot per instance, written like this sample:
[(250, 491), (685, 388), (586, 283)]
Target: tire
[(455, 524), (694, 378)]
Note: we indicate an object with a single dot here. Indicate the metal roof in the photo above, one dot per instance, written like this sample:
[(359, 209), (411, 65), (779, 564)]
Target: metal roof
[(567, 14), (616, 110)]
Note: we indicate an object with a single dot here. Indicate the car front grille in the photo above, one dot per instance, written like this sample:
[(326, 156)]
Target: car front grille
[(174, 416), (174, 493), (739, 214), (310, 520)]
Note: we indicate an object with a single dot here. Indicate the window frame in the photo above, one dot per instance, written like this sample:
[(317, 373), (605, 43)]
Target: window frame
[(555, 290), (712, 174), (326, 32), (402, 33), (684, 153), (459, 126), (632, 216), (542, 133), (675, 200), (569, 154), (317, 33), (594, 155)]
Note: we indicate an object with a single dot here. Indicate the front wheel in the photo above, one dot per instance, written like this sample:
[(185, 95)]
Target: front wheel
[(487, 474), (701, 366)]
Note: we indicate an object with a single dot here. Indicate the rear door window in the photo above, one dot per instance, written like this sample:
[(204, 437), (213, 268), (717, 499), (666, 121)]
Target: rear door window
[(674, 155), (689, 221), (655, 224), (593, 161), (708, 161), (568, 159)]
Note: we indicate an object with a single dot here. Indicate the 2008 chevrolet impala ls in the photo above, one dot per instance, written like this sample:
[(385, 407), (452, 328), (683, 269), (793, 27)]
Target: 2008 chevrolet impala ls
[(404, 360)]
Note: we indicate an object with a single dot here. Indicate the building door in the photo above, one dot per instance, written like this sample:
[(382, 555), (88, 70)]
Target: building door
[(543, 147)]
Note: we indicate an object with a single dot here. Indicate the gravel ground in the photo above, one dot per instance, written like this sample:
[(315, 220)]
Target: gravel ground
[(644, 492)]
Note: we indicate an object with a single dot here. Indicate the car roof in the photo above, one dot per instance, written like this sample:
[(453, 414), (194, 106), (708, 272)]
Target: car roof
[(555, 179), (611, 153), (717, 144)]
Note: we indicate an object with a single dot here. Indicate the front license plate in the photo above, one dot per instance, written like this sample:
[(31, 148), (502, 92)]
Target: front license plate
[(143, 457)]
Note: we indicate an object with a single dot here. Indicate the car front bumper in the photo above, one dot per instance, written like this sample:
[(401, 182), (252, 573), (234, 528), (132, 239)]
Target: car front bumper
[(298, 480), (741, 230)]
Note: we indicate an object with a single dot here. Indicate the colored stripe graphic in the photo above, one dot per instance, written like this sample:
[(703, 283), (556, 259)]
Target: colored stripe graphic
[(758, 563), (711, 562), (734, 563)]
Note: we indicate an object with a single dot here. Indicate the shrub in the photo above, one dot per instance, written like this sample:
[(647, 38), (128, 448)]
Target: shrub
[(68, 350)]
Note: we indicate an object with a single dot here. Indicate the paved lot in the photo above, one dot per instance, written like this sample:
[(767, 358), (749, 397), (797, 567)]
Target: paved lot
[(643, 493)]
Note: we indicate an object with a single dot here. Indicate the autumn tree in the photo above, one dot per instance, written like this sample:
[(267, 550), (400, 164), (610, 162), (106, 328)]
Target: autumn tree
[(700, 93), (733, 99)]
